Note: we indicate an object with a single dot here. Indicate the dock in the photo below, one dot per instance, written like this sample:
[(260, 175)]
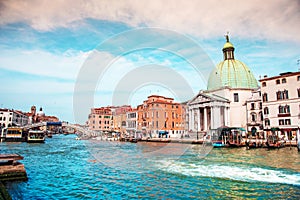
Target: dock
[(173, 140), (10, 170)]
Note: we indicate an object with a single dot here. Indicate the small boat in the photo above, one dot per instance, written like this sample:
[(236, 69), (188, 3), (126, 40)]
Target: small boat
[(273, 142), (36, 136), (228, 137)]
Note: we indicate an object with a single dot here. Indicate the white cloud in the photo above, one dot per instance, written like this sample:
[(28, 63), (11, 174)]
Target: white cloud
[(43, 63), (273, 19)]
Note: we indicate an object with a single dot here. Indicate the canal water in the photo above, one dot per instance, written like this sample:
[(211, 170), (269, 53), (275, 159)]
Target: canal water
[(65, 168)]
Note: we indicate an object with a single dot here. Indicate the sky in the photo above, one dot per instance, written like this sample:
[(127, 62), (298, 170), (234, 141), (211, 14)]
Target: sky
[(68, 56)]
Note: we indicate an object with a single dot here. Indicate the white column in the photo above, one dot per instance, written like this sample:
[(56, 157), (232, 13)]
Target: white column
[(205, 119), (190, 119), (212, 117), (198, 116), (193, 119), (225, 116), (228, 117)]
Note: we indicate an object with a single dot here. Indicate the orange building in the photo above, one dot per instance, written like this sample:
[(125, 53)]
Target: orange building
[(119, 118), (100, 119), (159, 115)]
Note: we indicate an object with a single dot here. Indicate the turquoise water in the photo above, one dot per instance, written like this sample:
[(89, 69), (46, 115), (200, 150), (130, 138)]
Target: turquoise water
[(65, 168)]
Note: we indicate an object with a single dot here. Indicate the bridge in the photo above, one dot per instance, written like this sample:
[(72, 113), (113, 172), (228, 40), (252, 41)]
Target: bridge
[(82, 132)]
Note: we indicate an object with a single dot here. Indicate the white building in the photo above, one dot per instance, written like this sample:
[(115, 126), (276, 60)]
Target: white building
[(131, 122), (281, 103), (255, 115), (230, 85), (10, 118)]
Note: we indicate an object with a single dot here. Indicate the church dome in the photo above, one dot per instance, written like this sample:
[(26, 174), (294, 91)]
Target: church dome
[(231, 73), (41, 113)]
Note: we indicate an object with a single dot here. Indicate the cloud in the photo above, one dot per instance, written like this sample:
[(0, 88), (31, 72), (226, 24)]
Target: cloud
[(43, 63), (255, 19)]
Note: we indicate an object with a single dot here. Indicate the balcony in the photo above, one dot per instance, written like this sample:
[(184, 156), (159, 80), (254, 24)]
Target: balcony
[(284, 115)]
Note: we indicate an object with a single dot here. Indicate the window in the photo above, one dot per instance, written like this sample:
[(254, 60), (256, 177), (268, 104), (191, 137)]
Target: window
[(265, 97), (298, 78), (281, 109), (267, 122), (266, 110), (253, 117), (236, 97), (157, 115), (283, 80), (298, 90), (285, 94), (277, 81), (252, 106), (260, 105), (287, 109), (261, 116), (287, 122), (264, 84), (281, 122), (282, 95), (156, 124)]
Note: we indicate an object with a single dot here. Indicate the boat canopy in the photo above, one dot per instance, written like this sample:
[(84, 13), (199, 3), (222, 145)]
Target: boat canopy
[(54, 123)]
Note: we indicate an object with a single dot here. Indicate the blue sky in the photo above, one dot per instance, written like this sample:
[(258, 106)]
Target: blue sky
[(45, 45)]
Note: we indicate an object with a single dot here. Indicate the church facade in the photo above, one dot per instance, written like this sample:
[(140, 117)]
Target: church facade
[(230, 85)]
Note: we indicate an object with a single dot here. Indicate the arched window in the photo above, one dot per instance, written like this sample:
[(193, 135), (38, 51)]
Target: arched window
[(261, 116), (281, 109), (277, 81), (265, 97), (253, 117), (264, 84), (287, 109), (266, 110), (267, 122), (283, 80)]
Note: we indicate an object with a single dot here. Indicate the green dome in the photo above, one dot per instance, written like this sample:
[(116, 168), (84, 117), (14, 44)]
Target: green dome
[(231, 73)]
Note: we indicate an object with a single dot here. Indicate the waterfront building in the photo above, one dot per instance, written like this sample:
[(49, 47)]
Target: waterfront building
[(10, 117), (119, 118), (159, 114), (100, 119), (281, 104), (131, 123), (254, 115), (230, 84)]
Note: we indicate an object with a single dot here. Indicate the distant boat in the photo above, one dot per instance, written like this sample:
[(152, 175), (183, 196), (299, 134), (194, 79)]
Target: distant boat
[(13, 134), (36, 136)]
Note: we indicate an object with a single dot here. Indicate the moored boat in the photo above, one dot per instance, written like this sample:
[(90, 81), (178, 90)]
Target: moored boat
[(36, 136), (273, 142), (228, 137)]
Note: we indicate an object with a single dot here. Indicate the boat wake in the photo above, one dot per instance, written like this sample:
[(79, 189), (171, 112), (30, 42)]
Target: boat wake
[(238, 173)]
